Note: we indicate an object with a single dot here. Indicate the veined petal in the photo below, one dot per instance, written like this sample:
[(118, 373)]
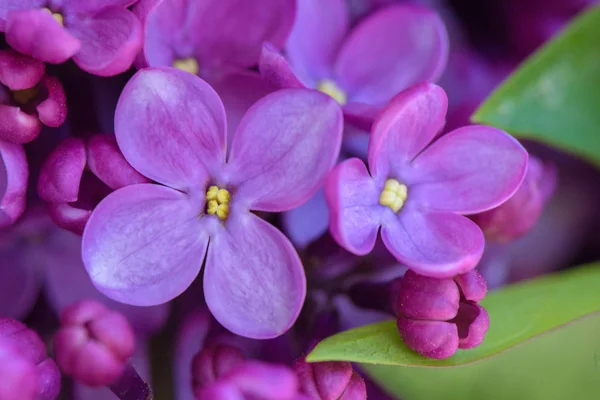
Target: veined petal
[(283, 148), (170, 126), (469, 170), (254, 283), (390, 51), (110, 41), (14, 172), (276, 70), (316, 37), (36, 33), (144, 244), (439, 245), (354, 210), (406, 126)]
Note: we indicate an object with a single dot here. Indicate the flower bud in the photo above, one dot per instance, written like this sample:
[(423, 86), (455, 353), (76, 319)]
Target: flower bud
[(438, 316), (18, 376), (213, 362), (13, 182), (329, 380)]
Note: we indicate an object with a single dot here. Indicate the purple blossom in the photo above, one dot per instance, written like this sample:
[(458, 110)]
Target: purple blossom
[(28, 98), (211, 36), (417, 189), (438, 316), (362, 68), (330, 380), (101, 36), (19, 375), (14, 173), (144, 244)]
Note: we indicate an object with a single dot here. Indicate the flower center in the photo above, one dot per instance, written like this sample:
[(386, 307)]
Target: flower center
[(57, 16), (187, 64), (329, 87), (23, 97), (217, 202), (393, 195)]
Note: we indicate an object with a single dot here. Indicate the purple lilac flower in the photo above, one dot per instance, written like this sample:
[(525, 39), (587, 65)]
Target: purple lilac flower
[(31, 348), (211, 36), (362, 68), (144, 244), (101, 36), (417, 189), (329, 380), (14, 173), (28, 98), (438, 316)]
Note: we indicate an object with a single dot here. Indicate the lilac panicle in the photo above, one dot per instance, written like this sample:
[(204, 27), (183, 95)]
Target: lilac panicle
[(30, 349), (28, 98), (211, 36), (438, 316), (14, 172), (364, 67), (334, 380), (418, 188), (254, 283), (102, 36)]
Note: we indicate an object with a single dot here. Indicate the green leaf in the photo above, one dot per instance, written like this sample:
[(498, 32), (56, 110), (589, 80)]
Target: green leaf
[(517, 313), (554, 96)]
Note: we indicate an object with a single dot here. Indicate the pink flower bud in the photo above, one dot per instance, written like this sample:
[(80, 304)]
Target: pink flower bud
[(213, 362), (329, 380)]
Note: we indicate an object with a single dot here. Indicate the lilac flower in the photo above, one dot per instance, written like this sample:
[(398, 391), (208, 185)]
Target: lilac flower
[(28, 98), (144, 244), (101, 36), (520, 213), (14, 173), (19, 375), (31, 348), (364, 68), (417, 190), (438, 316), (211, 36), (330, 380)]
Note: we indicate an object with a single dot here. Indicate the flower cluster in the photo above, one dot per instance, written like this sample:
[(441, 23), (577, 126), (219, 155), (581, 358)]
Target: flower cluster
[(248, 177)]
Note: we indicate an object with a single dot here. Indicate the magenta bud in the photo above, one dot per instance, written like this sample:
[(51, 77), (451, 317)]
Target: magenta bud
[(106, 161), (213, 362), (22, 352), (329, 380), (438, 316), (520, 213), (14, 172), (93, 343), (61, 172)]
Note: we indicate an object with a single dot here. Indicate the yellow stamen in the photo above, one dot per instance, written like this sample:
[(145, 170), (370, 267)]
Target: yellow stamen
[(217, 202), (187, 64), (22, 97), (329, 87), (393, 195), (57, 16)]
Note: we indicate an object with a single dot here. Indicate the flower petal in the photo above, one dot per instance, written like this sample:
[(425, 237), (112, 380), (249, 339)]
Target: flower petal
[(354, 211), (20, 280), (89, 6), (254, 283), (406, 126), (390, 51), (316, 37), (110, 40), (284, 146), (7, 5), (473, 322), (69, 217), (170, 126), (275, 69), (438, 245), (14, 172), (433, 339), (37, 34), (61, 172), (264, 381), (18, 72), (53, 110), (469, 170), (17, 126), (144, 244)]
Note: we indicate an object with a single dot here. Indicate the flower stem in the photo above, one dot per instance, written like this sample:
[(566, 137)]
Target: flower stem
[(130, 386)]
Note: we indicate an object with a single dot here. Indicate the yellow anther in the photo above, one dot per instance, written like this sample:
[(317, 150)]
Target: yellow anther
[(22, 97), (187, 64), (329, 87), (393, 195), (217, 202), (57, 16)]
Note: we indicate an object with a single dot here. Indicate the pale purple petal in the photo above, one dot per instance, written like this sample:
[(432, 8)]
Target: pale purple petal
[(90, 6), (406, 126), (316, 37), (190, 340), (308, 222), (52, 111), (390, 51), (439, 245), (170, 126), (275, 69), (144, 244), (7, 5), (354, 210), (110, 40), (284, 146), (18, 72), (36, 33), (469, 170), (61, 172), (14, 172), (159, 43), (254, 283)]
